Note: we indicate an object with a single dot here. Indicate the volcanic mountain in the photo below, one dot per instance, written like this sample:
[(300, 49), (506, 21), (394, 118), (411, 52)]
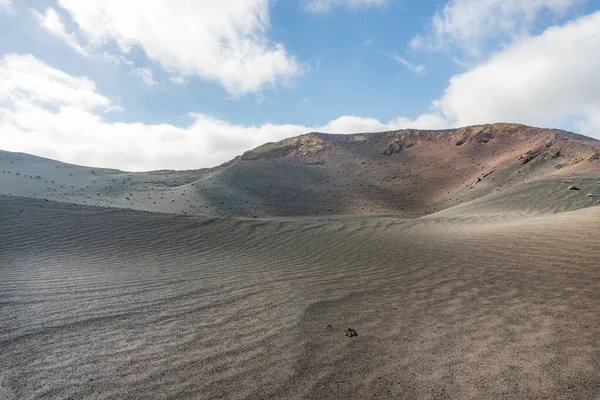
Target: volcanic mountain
[(407, 172)]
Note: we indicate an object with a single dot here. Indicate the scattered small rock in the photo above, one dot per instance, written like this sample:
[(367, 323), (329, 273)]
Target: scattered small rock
[(573, 187), (351, 333), (591, 195), (567, 181)]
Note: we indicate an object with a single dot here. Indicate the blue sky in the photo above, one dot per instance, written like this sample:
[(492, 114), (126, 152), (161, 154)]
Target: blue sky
[(182, 84)]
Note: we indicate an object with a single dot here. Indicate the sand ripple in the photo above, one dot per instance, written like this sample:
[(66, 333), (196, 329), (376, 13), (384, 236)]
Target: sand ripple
[(98, 303)]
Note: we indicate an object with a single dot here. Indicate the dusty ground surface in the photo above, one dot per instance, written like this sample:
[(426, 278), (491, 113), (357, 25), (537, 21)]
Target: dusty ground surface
[(99, 303), (496, 297)]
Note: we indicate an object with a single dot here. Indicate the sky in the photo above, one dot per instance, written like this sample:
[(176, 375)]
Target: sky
[(184, 84)]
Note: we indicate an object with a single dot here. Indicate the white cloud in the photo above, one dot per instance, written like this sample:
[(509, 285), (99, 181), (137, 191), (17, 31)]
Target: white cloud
[(547, 80), (145, 75), (416, 68), (355, 124), (26, 81), (590, 125), (543, 80), (116, 59), (224, 41), (6, 5), (46, 112), (320, 6), (53, 23), (469, 24), (177, 80)]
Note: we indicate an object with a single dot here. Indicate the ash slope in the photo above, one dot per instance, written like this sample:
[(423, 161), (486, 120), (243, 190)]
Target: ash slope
[(405, 172), (110, 304)]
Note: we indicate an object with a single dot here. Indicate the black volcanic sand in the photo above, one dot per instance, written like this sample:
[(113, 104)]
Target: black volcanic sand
[(470, 304)]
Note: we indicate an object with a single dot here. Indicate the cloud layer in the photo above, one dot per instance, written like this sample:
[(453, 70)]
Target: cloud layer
[(47, 112), (543, 80), (223, 41)]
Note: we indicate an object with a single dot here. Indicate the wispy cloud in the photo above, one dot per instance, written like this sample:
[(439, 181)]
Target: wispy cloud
[(6, 5), (115, 59), (145, 75), (416, 68), (322, 6), (177, 80), (52, 22), (470, 24)]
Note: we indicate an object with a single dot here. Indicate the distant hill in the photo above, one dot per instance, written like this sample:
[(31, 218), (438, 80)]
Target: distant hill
[(407, 172)]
